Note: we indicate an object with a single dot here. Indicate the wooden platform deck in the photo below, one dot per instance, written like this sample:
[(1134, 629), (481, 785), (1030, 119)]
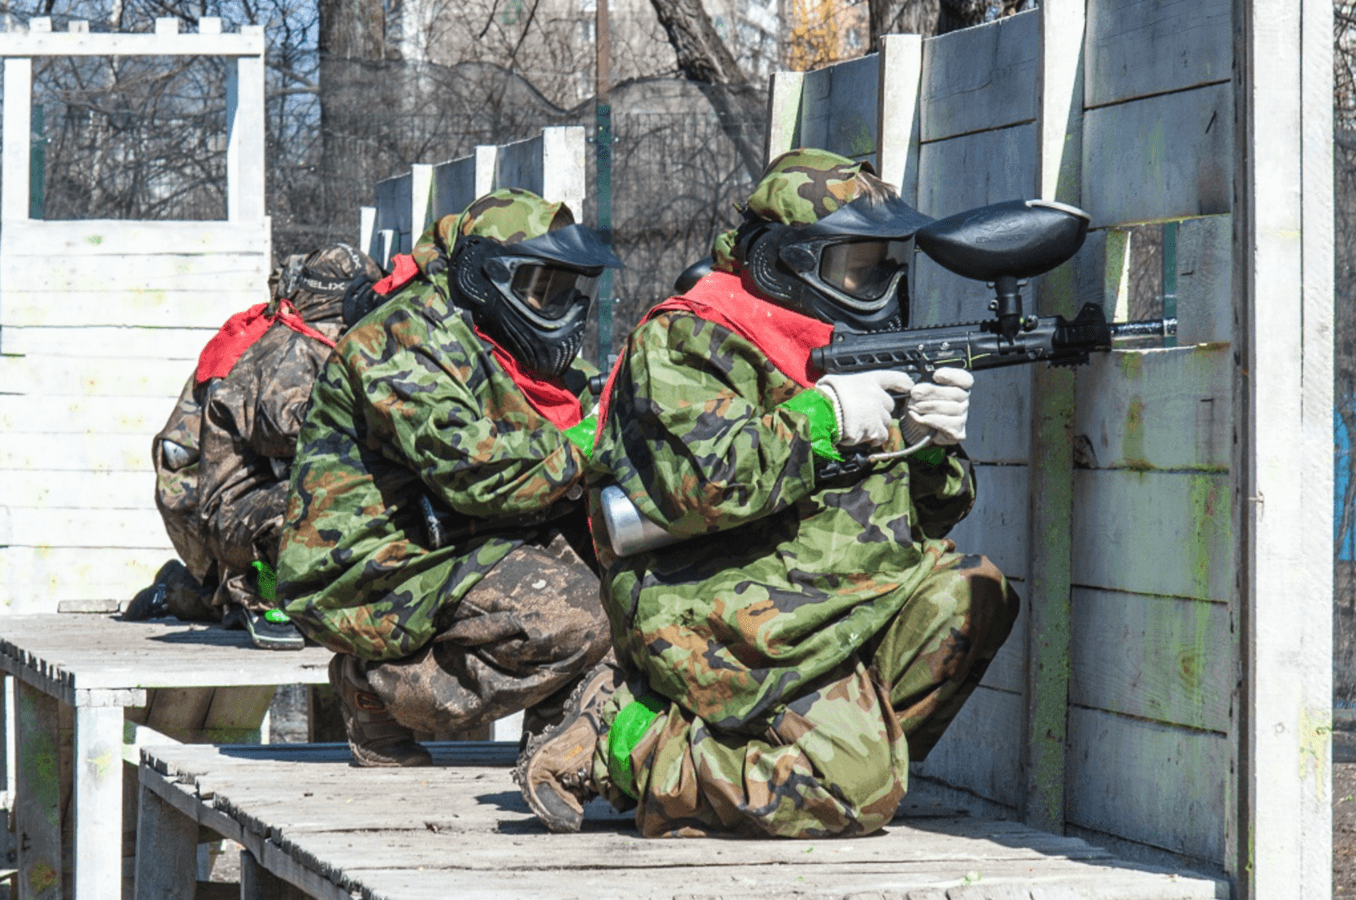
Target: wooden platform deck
[(307, 818)]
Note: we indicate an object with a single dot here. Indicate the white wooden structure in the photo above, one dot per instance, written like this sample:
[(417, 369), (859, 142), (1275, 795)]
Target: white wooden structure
[(85, 686), (550, 165), (100, 324), (1167, 688)]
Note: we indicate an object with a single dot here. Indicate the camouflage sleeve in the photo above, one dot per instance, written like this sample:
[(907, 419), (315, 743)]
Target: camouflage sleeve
[(444, 409), (943, 491), (282, 407), (695, 435)]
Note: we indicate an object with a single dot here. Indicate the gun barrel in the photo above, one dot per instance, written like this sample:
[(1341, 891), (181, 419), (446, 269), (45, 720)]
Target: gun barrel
[(1146, 328)]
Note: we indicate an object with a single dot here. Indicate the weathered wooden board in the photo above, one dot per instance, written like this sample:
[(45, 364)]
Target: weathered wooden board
[(1153, 783), (1165, 533), (56, 490), (112, 341), (92, 652), (248, 42), (36, 579), (156, 307), (394, 209), (1157, 409), (999, 428), (46, 240), (1166, 157), (900, 128), (28, 450), (1205, 292), (1007, 672), (93, 376), (87, 527), (981, 750), (454, 186), (960, 174), (1158, 658), (1135, 48), (465, 825), (838, 108), (982, 78), (186, 272), (63, 415), (997, 527)]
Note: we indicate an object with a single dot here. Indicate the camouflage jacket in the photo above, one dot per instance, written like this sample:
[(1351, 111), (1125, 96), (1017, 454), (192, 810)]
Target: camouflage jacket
[(175, 456), (249, 432), (785, 576), (413, 404)]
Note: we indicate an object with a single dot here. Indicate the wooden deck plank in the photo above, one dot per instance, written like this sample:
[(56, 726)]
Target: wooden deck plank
[(462, 826)]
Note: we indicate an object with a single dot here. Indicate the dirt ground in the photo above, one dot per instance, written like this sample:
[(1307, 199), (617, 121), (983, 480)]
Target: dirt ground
[(1344, 811)]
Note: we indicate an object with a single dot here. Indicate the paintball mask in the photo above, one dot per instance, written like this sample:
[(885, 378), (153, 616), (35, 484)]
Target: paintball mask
[(847, 268), (534, 296)]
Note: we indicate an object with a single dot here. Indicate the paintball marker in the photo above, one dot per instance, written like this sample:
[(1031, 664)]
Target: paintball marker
[(1002, 244)]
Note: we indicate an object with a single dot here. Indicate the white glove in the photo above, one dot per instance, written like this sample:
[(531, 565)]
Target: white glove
[(940, 408), (863, 403)]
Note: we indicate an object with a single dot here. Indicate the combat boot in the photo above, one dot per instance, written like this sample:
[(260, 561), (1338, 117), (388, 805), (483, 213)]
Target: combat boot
[(555, 772), (374, 737)]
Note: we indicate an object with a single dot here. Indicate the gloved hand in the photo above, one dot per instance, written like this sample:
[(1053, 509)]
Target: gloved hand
[(863, 403), (940, 408)]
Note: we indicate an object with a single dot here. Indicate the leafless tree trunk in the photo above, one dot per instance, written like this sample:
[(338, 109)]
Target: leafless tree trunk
[(703, 58), (934, 17), (352, 44)]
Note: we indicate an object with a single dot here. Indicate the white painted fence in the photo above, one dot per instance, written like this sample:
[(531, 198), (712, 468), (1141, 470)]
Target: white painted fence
[(550, 165), (100, 323), (1168, 683)]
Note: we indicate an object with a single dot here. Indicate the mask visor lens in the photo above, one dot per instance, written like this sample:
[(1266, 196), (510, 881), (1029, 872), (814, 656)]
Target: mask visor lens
[(862, 269), (549, 291)]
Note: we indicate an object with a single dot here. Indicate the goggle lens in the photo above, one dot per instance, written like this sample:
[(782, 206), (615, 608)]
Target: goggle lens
[(862, 269), (550, 291)]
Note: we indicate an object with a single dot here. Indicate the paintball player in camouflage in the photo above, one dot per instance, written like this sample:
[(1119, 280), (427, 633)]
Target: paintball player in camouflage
[(249, 432), (435, 536), (815, 631), (215, 502)]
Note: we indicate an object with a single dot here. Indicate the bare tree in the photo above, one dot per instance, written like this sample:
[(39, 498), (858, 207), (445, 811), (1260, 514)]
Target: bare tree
[(933, 17)]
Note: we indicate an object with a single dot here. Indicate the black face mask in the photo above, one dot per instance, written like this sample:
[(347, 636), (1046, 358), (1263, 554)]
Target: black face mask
[(847, 268), (534, 296)]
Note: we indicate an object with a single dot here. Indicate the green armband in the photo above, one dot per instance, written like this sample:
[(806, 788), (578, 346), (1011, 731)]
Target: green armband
[(932, 456), (818, 409), (581, 435), (623, 736)]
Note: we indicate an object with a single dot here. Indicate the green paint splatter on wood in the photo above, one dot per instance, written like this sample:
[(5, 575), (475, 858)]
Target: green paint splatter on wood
[(95, 239), (1315, 737), (1132, 443), (1210, 512), (863, 142), (42, 876)]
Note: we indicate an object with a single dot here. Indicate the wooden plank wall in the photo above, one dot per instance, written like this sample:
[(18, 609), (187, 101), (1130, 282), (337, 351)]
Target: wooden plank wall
[(550, 164), (101, 323), (1150, 683)]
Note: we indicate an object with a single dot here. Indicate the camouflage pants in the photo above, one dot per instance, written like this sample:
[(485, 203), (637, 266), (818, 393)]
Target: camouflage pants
[(524, 633), (835, 761)]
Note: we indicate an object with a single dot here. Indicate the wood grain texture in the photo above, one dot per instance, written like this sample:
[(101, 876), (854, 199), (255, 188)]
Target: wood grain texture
[(1165, 533), (1157, 409), (982, 78), (839, 108), (1152, 657), (1135, 48), (1166, 157), (1153, 783), (1205, 293)]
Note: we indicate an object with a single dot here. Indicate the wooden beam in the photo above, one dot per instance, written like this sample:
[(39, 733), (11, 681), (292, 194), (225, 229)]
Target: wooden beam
[(901, 75), (1048, 598), (1283, 286), (16, 153), (245, 179), (98, 802), (57, 43)]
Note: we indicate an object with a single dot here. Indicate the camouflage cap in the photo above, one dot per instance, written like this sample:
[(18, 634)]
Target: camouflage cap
[(805, 185), (324, 278), (797, 188), (507, 215)]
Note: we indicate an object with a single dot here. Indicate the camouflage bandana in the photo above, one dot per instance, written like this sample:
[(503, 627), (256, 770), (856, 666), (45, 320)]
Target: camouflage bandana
[(797, 188), (507, 215)]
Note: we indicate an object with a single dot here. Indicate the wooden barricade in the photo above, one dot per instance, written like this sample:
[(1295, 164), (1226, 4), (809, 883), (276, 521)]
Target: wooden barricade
[(1165, 513)]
